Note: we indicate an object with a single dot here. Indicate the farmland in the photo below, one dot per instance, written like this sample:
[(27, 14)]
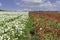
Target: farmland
[(29, 25), (47, 25)]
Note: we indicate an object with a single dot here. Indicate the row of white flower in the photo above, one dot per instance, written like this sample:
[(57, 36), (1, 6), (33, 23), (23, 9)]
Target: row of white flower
[(10, 29)]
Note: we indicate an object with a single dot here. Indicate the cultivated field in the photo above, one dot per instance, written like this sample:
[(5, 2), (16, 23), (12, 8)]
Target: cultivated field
[(47, 25), (29, 25), (12, 25)]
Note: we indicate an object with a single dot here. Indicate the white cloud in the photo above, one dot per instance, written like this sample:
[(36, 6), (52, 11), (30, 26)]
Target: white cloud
[(57, 3), (35, 1), (17, 3), (26, 9), (46, 4), (41, 5), (0, 4)]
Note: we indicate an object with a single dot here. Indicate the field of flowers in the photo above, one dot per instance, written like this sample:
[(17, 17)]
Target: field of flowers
[(14, 26)]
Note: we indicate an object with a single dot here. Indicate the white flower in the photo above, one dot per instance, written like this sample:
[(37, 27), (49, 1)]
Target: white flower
[(5, 35), (2, 31), (0, 38), (23, 25), (20, 28), (40, 28), (21, 32), (6, 30)]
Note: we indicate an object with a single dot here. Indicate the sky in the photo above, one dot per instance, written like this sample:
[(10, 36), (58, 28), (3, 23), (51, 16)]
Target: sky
[(30, 5)]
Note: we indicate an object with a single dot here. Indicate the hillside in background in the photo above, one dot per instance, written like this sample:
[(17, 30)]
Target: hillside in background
[(2, 10)]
